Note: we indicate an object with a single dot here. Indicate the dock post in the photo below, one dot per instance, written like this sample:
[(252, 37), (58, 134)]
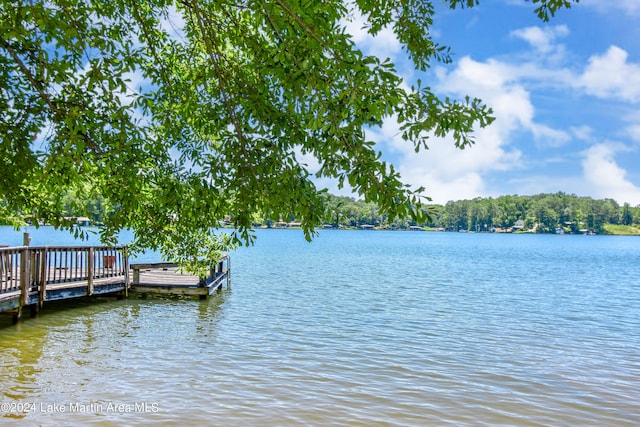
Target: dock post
[(136, 276), (16, 315), (90, 269), (25, 280), (44, 263), (125, 267)]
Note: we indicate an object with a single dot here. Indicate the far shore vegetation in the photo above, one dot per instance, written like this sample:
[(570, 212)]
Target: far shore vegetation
[(557, 213)]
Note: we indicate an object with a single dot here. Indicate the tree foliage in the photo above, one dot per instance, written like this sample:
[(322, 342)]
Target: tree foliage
[(543, 213), (176, 113)]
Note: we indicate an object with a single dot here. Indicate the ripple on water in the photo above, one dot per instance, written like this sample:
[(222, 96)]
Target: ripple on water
[(396, 329)]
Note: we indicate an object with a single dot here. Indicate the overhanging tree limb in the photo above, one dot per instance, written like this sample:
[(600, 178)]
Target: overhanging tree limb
[(219, 116)]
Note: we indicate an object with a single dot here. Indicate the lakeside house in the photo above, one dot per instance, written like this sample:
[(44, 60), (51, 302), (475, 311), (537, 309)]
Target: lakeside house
[(83, 221)]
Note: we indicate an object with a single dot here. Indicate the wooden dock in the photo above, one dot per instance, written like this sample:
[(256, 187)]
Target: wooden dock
[(33, 275), (167, 278)]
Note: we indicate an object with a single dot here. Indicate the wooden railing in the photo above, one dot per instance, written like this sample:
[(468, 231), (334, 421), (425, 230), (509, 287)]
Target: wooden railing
[(30, 268), (31, 275), (10, 269), (65, 264)]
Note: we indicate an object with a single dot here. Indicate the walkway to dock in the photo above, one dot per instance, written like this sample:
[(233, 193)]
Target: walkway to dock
[(32, 275)]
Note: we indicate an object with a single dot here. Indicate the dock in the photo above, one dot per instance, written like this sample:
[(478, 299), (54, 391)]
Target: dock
[(30, 276), (167, 278)]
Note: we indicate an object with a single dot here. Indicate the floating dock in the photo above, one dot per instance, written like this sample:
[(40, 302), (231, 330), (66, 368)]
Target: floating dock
[(167, 278), (33, 275)]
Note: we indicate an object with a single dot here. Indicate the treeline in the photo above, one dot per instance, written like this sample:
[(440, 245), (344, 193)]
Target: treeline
[(82, 203), (542, 213)]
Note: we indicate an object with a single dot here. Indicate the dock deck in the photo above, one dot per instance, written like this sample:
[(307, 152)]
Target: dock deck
[(33, 275), (168, 279)]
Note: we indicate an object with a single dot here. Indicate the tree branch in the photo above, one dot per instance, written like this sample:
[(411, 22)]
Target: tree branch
[(37, 85)]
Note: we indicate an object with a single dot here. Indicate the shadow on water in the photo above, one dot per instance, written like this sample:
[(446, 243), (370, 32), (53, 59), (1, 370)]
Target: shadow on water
[(72, 345), (54, 310)]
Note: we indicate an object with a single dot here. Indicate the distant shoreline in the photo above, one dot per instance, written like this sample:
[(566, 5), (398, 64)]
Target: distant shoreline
[(617, 231)]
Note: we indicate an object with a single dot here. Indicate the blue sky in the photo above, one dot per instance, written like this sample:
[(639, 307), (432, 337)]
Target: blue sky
[(565, 94)]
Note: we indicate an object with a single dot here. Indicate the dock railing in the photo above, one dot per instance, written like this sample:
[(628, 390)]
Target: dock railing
[(145, 274), (28, 269), (31, 275)]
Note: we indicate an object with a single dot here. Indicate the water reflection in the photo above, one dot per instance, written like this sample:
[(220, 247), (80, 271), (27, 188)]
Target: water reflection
[(20, 352), (96, 352), (211, 307)]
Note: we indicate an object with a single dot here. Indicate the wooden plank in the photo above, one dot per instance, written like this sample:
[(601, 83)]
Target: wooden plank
[(25, 275), (10, 294), (176, 284), (167, 277), (90, 270), (141, 266), (169, 290), (125, 266), (9, 301), (66, 293), (44, 266)]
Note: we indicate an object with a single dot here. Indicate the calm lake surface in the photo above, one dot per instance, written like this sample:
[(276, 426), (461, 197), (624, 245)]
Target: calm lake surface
[(357, 328)]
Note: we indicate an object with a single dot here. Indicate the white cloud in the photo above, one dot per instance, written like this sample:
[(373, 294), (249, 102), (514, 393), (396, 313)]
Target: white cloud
[(626, 6), (383, 45), (542, 39), (500, 85), (452, 174), (447, 173), (611, 76), (493, 82), (605, 177), (548, 136), (173, 23), (504, 86), (536, 184), (634, 132), (512, 85), (582, 132)]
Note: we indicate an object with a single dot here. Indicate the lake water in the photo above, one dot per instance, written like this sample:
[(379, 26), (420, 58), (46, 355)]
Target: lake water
[(357, 328)]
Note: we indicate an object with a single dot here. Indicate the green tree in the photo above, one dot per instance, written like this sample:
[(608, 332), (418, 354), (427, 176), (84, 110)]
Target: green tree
[(455, 216), (627, 215), (509, 209), (224, 110), (547, 219)]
